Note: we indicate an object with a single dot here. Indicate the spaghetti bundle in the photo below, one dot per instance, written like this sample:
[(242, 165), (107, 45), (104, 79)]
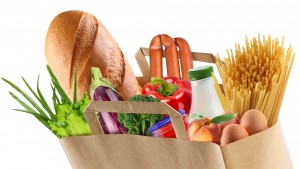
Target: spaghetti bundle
[(255, 77)]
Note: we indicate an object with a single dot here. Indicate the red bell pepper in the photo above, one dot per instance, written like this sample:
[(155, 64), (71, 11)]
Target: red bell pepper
[(171, 90)]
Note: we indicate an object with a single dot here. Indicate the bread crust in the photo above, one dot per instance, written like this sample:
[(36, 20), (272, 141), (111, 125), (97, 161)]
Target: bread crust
[(77, 41)]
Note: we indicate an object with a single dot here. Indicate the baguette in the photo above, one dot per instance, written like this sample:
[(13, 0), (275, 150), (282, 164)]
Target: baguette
[(77, 41)]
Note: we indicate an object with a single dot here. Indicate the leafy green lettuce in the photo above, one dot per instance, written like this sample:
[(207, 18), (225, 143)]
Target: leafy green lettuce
[(68, 119)]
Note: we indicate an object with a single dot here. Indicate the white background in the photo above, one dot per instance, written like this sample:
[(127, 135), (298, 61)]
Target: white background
[(212, 26)]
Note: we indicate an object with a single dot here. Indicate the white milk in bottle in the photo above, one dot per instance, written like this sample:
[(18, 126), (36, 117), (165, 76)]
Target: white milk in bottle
[(205, 100)]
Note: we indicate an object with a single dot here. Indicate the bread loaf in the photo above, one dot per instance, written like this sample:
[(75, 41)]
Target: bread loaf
[(77, 41)]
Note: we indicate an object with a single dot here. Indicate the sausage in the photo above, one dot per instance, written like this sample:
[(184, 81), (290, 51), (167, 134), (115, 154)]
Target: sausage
[(186, 59), (155, 57), (171, 55)]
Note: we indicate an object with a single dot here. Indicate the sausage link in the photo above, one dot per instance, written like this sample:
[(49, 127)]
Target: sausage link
[(155, 57), (171, 55), (185, 54)]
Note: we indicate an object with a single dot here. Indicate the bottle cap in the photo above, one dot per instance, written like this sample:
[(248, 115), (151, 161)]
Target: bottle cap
[(201, 72)]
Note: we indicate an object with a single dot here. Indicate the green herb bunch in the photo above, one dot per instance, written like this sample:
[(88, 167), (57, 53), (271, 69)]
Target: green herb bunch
[(67, 119)]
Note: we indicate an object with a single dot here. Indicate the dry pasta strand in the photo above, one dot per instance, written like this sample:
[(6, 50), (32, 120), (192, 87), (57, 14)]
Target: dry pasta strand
[(255, 76)]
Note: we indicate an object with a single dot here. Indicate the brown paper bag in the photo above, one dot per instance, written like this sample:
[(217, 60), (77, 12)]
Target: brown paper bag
[(264, 150)]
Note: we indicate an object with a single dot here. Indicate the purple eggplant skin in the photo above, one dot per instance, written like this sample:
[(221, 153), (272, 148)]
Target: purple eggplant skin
[(109, 120)]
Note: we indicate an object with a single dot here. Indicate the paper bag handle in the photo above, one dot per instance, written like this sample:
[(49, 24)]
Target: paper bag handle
[(133, 107)]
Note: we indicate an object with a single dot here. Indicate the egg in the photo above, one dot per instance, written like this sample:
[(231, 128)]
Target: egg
[(254, 121), (232, 133), (235, 120)]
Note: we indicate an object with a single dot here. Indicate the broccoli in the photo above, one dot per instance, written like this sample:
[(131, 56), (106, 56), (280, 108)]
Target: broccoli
[(138, 124)]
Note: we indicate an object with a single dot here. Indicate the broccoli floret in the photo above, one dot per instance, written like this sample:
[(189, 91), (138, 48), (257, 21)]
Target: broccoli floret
[(143, 98), (138, 124)]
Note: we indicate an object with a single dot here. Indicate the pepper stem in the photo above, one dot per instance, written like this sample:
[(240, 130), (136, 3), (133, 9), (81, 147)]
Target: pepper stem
[(99, 80), (165, 89)]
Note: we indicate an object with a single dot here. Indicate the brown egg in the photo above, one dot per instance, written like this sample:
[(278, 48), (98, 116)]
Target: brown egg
[(235, 120), (232, 133), (254, 121)]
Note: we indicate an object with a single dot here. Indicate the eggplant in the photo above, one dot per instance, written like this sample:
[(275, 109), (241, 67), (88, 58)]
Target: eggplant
[(102, 90)]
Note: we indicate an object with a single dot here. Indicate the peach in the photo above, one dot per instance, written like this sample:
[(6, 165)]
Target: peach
[(210, 133), (194, 127), (204, 130), (235, 120)]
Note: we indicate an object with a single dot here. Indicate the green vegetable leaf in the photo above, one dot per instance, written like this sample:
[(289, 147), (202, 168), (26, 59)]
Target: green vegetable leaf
[(223, 118), (77, 125), (43, 100), (99, 80), (138, 124), (196, 116), (30, 112), (36, 96), (55, 82), (61, 110), (55, 98), (29, 99), (70, 119), (82, 104), (75, 89), (59, 129), (44, 122)]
